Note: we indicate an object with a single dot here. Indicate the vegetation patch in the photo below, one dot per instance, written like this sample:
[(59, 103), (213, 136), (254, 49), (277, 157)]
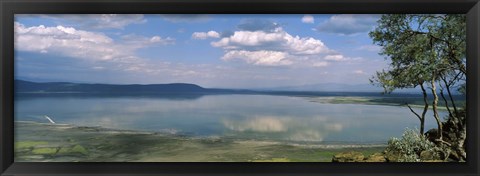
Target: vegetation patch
[(29, 144), (413, 147), (76, 150), (44, 151), (273, 160)]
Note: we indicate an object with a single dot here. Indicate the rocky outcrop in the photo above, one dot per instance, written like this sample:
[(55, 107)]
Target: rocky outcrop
[(427, 155), (353, 156), (376, 157), (454, 137), (392, 156)]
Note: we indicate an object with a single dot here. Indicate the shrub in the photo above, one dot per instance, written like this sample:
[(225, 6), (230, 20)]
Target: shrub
[(410, 146)]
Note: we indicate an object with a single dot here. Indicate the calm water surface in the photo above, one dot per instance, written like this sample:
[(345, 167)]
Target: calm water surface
[(261, 117)]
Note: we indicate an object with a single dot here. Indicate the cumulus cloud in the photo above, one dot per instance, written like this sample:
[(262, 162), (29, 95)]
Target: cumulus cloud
[(205, 35), (263, 57), (266, 47), (348, 24), (308, 19), (86, 45), (278, 40)]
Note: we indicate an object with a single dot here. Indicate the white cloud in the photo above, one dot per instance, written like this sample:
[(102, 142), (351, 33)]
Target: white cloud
[(136, 41), (205, 35), (276, 48), (68, 41), (85, 45), (336, 57), (248, 38), (348, 24), (278, 40), (263, 58), (308, 19)]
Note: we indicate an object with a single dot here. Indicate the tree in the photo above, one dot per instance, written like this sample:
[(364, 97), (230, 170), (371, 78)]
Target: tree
[(409, 58), (426, 51)]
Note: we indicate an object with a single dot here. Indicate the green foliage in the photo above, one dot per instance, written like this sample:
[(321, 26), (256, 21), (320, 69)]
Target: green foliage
[(411, 145), (421, 47), (44, 151), (77, 149), (29, 144)]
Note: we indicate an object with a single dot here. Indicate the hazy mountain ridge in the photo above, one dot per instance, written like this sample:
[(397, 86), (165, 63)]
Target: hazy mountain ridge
[(52, 87), (22, 86)]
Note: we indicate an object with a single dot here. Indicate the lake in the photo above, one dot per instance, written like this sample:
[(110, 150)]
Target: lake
[(251, 117)]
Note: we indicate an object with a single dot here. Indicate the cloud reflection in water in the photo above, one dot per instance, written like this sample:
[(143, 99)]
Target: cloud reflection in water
[(284, 127)]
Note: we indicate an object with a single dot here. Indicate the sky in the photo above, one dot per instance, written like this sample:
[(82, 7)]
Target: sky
[(223, 51)]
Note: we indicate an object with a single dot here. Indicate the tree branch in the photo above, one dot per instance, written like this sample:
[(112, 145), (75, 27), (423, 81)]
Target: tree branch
[(419, 118)]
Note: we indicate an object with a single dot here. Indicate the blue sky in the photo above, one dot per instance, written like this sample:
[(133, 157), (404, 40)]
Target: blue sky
[(228, 51)]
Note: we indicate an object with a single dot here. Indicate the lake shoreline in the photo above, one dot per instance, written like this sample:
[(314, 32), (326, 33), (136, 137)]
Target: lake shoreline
[(359, 100), (68, 143)]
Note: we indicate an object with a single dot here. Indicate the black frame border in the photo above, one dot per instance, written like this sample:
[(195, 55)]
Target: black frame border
[(10, 7)]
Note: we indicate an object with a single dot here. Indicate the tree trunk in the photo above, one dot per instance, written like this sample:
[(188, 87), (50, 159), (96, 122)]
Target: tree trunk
[(422, 121), (446, 103), (462, 135), (435, 111), (425, 109), (447, 86)]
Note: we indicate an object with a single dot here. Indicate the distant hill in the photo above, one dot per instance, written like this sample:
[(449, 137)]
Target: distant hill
[(22, 86), (65, 87)]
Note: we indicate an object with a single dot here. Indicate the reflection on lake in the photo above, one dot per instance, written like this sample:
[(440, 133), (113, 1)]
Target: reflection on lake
[(259, 117), (288, 128)]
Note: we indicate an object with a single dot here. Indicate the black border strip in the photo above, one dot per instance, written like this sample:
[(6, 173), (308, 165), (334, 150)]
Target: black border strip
[(6, 90), (245, 6), (10, 7), (473, 86)]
